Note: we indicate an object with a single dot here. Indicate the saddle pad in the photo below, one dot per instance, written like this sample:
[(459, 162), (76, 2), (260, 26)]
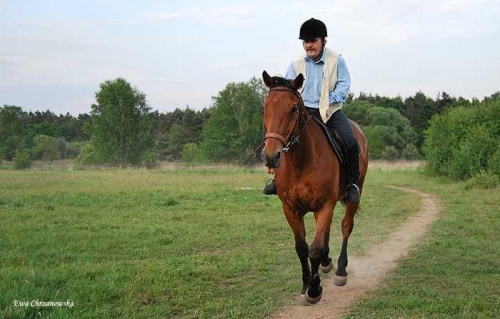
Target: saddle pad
[(335, 142)]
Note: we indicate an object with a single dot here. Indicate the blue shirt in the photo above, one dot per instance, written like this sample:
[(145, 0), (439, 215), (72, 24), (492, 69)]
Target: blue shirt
[(312, 86)]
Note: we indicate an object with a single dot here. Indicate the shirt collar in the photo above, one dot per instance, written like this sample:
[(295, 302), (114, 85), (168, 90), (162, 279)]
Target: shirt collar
[(322, 59)]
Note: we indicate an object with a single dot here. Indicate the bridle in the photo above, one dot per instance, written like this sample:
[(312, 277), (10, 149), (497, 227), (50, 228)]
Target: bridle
[(302, 114)]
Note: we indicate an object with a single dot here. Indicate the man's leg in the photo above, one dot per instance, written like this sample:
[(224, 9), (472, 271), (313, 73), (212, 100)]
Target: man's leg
[(339, 122)]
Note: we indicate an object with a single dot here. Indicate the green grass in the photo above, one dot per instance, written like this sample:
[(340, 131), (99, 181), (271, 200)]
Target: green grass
[(187, 243), (455, 272)]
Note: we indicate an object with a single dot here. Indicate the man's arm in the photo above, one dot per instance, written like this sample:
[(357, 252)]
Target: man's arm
[(339, 94)]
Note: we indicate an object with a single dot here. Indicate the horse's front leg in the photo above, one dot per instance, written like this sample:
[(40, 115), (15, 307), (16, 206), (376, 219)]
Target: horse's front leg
[(299, 231), (318, 252)]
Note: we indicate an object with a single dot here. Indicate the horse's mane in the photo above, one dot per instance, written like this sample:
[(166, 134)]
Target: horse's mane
[(280, 81)]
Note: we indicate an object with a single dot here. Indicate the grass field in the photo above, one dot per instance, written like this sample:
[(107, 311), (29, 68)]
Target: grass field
[(188, 243)]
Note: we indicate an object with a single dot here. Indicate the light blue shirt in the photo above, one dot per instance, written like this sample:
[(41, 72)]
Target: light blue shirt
[(312, 86)]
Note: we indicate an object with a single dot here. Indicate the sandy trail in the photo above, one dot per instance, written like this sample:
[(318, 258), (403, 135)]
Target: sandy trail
[(368, 271)]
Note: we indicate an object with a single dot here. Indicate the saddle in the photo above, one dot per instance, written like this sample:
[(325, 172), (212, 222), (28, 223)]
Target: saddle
[(335, 142)]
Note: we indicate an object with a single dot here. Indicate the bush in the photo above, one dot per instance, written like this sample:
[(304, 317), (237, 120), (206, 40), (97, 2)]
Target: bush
[(483, 180), (46, 148), (410, 152), (88, 155), (150, 159), (22, 159), (390, 153), (191, 153), (464, 141), (389, 133), (73, 149)]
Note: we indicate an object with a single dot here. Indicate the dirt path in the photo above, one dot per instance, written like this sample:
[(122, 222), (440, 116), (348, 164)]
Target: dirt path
[(368, 271)]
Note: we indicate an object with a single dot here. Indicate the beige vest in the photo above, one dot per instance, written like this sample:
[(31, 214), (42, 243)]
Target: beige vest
[(329, 81)]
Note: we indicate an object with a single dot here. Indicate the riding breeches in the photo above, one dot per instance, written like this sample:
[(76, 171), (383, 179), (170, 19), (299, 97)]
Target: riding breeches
[(338, 122)]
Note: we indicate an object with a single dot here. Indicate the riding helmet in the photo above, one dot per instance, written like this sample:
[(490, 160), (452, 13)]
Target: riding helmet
[(312, 29)]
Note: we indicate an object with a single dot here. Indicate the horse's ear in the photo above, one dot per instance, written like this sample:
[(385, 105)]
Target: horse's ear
[(298, 81), (268, 80)]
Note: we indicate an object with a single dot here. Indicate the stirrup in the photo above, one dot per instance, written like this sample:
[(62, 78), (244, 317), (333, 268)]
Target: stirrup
[(270, 188)]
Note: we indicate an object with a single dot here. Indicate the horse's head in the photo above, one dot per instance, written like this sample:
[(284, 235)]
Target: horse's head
[(283, 110)]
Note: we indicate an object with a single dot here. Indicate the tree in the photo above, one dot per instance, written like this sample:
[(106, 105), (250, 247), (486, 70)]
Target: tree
[(13, 133), (389, 134), (122, 125), (46, 148), (234, 128), (178, 128), (419, 109)]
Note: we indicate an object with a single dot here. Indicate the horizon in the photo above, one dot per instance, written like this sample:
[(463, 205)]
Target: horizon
[(355, 97)]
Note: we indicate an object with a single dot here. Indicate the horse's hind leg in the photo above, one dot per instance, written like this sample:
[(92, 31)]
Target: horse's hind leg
[(347, 226)]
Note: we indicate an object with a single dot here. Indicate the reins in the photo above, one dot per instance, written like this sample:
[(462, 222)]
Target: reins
[(291, 139)]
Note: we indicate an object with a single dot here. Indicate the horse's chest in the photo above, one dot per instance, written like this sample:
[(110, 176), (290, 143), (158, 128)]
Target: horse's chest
[(303, 197)]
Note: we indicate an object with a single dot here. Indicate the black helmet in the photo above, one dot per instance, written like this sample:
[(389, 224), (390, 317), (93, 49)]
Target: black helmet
[(312, 29)]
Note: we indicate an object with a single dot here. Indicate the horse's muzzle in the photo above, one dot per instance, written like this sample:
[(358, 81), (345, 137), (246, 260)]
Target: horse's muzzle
[(272, 159)]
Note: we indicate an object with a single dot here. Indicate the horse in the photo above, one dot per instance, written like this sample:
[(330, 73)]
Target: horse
[(309, 178)]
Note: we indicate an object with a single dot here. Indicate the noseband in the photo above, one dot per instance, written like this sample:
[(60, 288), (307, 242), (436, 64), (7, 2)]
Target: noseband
[(292, 139)]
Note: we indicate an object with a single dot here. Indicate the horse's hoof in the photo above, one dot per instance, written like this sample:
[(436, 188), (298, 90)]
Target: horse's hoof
[(340, 280), (326, 269), (302, 301), (314, 300)]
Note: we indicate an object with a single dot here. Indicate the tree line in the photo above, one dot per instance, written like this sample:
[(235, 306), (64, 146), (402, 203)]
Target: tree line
[(122, 129)]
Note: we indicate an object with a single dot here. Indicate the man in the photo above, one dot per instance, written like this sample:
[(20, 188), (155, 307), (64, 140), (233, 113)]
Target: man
[(325, 88)]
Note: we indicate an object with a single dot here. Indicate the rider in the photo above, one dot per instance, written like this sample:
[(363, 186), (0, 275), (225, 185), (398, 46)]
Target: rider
[(325, 88)]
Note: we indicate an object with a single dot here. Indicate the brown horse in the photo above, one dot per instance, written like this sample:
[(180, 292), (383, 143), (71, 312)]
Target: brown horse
[(308, 177)]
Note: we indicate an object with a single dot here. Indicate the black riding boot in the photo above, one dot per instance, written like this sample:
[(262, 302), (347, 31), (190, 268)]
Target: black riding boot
[(353, 192), (270, 188)]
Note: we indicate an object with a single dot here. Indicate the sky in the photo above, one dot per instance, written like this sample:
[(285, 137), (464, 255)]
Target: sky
[(55, 54)]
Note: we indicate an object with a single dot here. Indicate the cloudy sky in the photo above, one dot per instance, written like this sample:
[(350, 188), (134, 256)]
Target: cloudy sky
[(54, 54)]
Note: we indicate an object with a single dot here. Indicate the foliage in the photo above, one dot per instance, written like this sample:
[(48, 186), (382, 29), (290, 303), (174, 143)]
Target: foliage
[(150, 159), (12, 131), (389, 134), (73, 149), (191, 153), (122, 126), (22, 159), (178, 128), (464, 141), (45, 148), (484, 180), (235, 126), (88, 155)]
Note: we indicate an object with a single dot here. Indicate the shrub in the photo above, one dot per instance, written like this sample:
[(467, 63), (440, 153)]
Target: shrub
[(73, 149), (483, 180), (150, 159), (46, 148), (22, 159), (390, 153), (463, 141), (88, 155), (191, 153)]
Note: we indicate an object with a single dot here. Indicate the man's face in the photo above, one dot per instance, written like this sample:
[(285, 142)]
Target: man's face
[(313, 47)]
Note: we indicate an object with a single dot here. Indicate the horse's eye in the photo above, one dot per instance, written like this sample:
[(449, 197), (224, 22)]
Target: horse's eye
[(294, 109)]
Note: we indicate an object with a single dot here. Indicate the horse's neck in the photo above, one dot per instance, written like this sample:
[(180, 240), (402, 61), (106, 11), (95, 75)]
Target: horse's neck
[(309, 146)]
